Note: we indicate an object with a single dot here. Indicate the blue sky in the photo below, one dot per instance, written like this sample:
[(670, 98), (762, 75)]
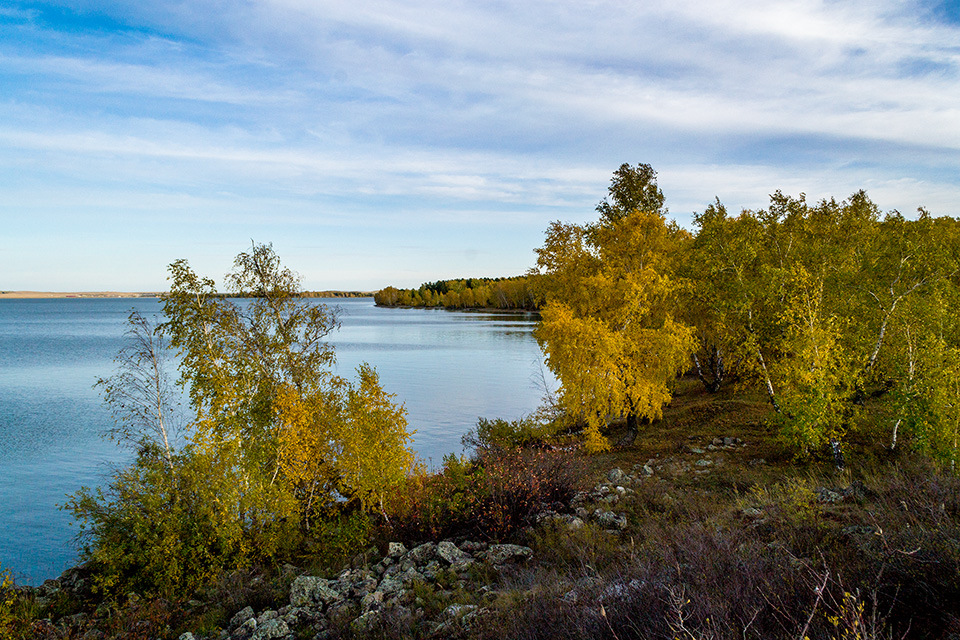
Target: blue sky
[(381, 142)]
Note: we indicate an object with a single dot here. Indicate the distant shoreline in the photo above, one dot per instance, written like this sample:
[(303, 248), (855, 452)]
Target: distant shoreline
[(21, 295), (27, 295)]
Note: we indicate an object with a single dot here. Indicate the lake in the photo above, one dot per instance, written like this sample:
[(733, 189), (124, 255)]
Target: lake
[(447, 367)]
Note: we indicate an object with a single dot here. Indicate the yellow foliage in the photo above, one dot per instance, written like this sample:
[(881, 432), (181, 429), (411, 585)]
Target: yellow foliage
[(374, 454), (607, 328), (352, 440)]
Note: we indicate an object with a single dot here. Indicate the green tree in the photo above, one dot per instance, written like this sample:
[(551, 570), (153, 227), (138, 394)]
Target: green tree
[(276, 443), (139, 394), (631, 189)]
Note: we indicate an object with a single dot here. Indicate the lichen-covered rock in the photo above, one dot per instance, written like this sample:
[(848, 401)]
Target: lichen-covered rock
[(473, 547), (412, 575), (371, 602), (455, 611), (616, 475), (390, 584), (366, 622), (395, 550), (449, 552), (241, 616), (266, 616), (246, 629), (309, 590), (609, 519), (271, 630), (423, 554), (508, 553)]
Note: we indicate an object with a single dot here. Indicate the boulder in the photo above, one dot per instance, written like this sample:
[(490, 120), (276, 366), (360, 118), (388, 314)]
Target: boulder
[(508, 553), (309, 590), (423, 554), (610, 520), (451, 554), (390, 584), (271, 630), (241, 616)]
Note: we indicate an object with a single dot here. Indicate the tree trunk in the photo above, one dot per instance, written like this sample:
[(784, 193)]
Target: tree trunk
[(714, 368), (632, 431)]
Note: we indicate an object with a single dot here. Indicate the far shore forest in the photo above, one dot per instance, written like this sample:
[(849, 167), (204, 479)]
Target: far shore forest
[(833, 325)]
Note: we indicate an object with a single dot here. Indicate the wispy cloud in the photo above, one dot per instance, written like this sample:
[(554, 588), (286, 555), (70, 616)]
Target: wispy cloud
[(429, 117)]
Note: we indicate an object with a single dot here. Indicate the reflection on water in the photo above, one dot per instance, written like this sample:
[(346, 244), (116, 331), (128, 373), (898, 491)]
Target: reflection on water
[(448, 368)]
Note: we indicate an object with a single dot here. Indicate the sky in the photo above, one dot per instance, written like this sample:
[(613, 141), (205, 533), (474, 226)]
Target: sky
[(381, 143)]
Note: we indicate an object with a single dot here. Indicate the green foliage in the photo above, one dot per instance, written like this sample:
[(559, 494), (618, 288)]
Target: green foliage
[(632, 189), (516, 293), (8, 599), (498, 433), (824, 304), (278, 444), (339, 538)]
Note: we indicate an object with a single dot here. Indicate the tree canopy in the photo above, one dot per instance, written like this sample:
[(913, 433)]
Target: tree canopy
[(821, 305), (608, 327)]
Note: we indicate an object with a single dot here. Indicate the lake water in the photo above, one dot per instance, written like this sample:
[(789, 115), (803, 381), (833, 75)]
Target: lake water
[(448, 368)]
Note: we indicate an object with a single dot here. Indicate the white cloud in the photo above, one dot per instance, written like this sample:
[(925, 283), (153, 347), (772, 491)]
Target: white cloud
[(443, 114)]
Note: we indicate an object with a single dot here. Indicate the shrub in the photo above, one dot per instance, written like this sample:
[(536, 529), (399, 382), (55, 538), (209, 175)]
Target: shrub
[(508, 434), (491, 497)]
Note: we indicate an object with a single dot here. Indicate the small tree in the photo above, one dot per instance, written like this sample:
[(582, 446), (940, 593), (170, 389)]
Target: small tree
[(139, 394), (277, 439)]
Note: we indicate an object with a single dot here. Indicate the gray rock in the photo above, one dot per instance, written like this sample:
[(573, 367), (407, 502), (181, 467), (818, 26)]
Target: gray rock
[(310, 590), (246, 629), (456, 611), (696, 450), (367, 622), (610, 520), (705, 462), (241, 616), (423, 554), (390, 584), (508, 553), (616, 475), (451, 554), (395, 550), (275, 628), (186, 636), (371, 602)]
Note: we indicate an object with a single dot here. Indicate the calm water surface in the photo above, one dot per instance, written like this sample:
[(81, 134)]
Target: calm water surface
[(448, 368)]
